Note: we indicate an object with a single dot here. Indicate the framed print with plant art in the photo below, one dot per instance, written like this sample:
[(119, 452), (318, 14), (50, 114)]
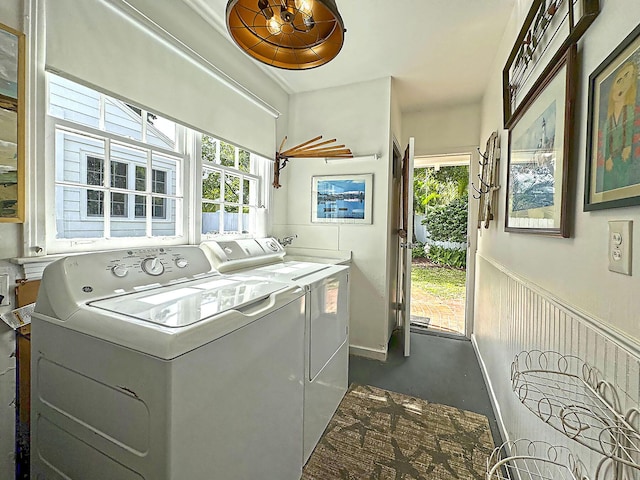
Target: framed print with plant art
[(539, 152), (612, 177), (342, 198)]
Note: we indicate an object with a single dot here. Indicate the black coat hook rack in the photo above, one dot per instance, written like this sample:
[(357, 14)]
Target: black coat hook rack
[(488, 180)]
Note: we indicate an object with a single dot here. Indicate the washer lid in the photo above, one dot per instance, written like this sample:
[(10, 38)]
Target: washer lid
[(190, 302)]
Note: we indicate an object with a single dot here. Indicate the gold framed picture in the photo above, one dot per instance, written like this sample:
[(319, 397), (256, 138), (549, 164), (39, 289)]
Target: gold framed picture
[(12, 113)]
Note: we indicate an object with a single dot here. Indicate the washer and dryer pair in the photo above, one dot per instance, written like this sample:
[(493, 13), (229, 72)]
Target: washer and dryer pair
[(326, 339), (147, 364)]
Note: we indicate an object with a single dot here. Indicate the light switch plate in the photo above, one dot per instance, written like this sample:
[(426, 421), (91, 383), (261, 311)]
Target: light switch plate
[(620, 242)]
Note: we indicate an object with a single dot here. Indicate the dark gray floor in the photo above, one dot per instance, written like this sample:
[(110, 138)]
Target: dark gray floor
[(440, 370)]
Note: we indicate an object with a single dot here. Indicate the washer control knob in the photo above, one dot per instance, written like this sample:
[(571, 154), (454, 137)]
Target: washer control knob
[(181, 262), (119, 271), (273, 246), (153, 266)]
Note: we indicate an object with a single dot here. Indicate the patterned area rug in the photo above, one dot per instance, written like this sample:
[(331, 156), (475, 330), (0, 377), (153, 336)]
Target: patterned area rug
[(378, 435)]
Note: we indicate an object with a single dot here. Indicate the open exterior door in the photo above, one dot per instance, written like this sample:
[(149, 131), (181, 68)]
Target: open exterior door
[(405, 235)]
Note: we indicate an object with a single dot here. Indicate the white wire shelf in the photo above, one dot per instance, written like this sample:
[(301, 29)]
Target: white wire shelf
[(623, 455), (533, 460), (571, 396)]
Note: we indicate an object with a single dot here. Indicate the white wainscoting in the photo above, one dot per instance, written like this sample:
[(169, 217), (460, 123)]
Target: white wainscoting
[(514, 315)]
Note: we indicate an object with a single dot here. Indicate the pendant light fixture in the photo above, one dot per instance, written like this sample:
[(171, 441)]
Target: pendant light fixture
[(288, 34)]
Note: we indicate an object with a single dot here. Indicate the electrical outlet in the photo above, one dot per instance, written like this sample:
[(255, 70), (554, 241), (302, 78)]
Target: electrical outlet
[(620, 242)]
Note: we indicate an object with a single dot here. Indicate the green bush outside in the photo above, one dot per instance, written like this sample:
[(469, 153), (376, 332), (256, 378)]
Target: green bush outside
[(418, 250), (441, 195), (451, 257), (448, 223)]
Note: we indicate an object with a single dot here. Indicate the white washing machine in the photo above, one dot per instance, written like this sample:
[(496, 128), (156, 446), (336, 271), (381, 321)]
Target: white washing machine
[(146, 365), (326, 314)]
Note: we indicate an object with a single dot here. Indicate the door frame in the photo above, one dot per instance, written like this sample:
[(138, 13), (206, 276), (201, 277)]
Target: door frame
[(472, 246), (472, 231)]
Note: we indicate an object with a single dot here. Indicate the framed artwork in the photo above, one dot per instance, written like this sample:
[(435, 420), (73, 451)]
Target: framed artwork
[(550, 27), (539, 152), (342, 198), (612, 177), (11, 125)]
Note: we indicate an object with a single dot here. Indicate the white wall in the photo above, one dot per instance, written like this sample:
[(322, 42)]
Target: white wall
[(10, 238), (573, 269), (358, 116), (450, 129)]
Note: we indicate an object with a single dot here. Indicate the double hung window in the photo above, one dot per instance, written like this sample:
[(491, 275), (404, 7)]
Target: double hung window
[(230, 188), (123, 176), (118, 169)]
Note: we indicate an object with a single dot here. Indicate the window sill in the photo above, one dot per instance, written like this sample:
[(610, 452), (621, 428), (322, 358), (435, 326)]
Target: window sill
[(40, 258)]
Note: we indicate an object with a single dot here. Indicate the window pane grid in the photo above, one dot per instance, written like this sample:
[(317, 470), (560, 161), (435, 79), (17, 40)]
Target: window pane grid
[(229, 190), (227, 154), (95, 175), (121, 189), (95, 202)]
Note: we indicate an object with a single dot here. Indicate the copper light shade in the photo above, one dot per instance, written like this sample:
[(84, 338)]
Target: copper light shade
[(289, 34)]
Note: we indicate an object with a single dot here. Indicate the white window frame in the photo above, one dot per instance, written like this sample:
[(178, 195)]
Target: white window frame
[(149, 192), (60, 245), (235, 171)]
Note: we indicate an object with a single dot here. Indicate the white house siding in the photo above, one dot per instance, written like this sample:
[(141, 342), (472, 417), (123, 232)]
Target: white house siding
[(119, 122), (155, 139), (74, 102)]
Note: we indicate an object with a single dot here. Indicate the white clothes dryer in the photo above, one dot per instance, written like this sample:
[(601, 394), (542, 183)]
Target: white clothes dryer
[(326, 319), (146, 365)]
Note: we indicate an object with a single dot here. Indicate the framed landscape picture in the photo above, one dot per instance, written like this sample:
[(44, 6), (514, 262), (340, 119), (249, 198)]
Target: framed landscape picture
[(11, 125), (539, 152), (342, 198), (612, 177)]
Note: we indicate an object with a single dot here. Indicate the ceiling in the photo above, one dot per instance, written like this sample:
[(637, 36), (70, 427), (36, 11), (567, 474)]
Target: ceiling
[(440, 52)]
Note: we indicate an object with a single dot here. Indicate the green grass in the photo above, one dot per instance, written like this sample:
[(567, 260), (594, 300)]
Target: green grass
[(448, 283)]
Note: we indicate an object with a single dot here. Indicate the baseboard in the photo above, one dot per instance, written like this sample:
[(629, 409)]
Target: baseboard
[(368, 353), (492, 395)]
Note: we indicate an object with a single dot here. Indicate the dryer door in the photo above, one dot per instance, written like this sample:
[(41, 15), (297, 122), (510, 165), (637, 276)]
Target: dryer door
[(328, 308)]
